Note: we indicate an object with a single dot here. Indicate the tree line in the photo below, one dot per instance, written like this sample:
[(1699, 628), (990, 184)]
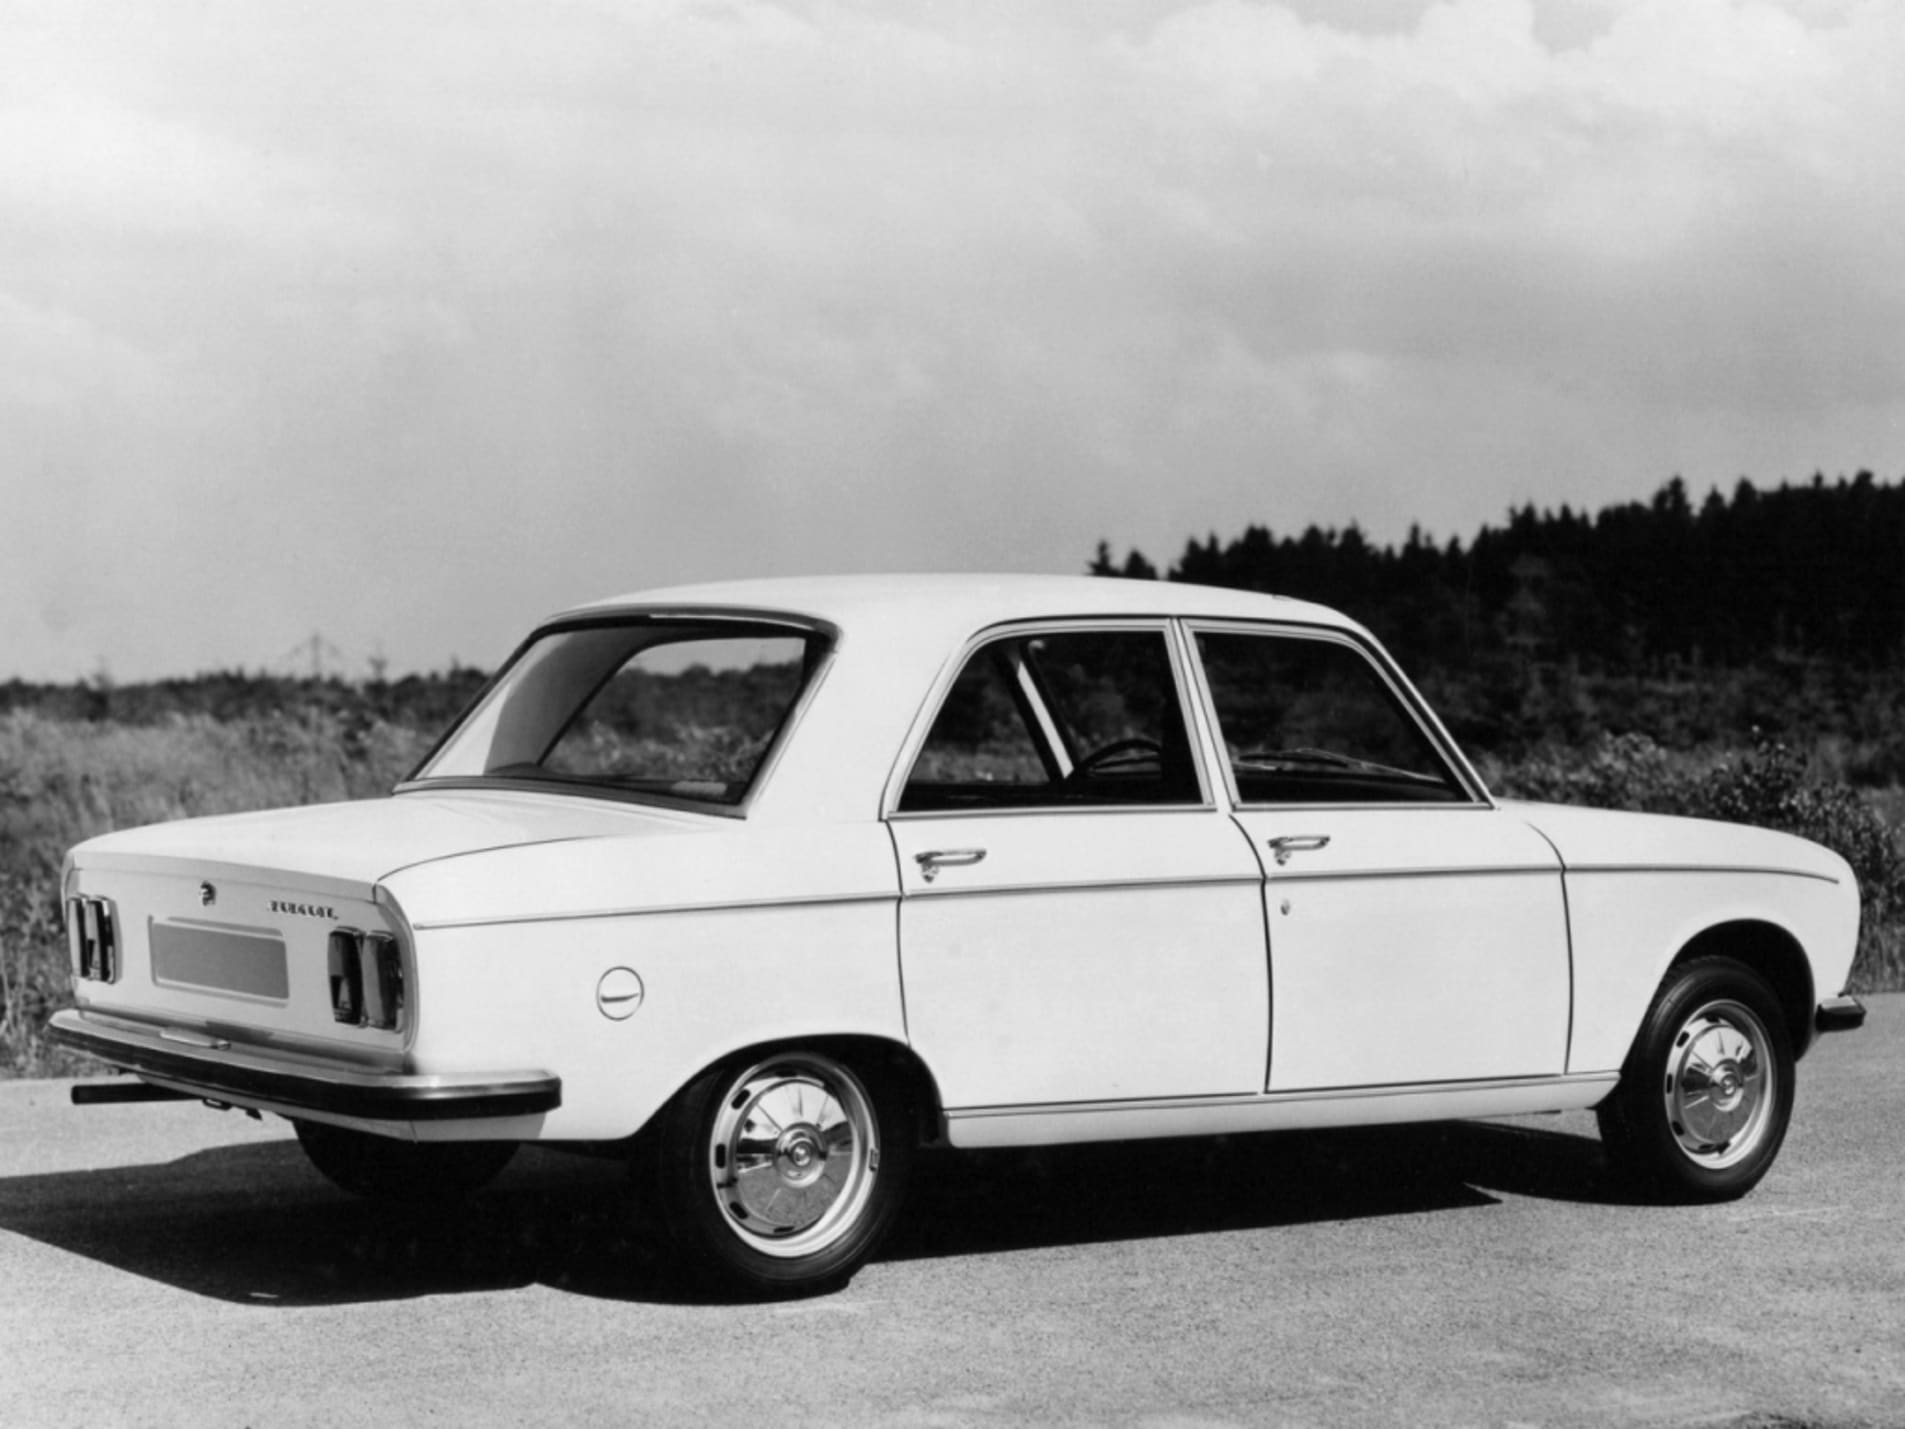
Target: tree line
[(1816, 569), (1780, 608)]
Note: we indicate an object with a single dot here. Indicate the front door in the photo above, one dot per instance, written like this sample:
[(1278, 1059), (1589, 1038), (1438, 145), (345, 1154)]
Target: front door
[(1417, 933)]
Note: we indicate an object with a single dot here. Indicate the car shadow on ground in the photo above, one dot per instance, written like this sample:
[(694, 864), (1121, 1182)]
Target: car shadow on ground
[(984, 1202), (254, 1224)]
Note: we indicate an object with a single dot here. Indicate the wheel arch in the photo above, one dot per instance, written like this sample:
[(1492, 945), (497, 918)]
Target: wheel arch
[(1776, 956), (885, 1057)]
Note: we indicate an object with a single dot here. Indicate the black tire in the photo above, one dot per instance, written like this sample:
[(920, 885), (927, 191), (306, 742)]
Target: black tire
[(777, 1173), (382, 1169), (1707, 1091)]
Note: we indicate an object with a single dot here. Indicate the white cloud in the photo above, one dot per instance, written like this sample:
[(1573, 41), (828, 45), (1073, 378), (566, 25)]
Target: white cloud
[(56, 360), (520, 303)]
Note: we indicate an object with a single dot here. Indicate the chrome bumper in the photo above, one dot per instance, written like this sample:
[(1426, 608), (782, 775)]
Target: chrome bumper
[(221, 1071), (1839, 1014)]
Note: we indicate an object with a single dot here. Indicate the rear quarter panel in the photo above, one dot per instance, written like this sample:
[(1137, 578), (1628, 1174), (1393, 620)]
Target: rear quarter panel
[(740, 936)]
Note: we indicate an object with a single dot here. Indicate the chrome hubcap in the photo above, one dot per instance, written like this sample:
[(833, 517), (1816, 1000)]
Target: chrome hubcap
[(1720, 1085), (793, 1154)]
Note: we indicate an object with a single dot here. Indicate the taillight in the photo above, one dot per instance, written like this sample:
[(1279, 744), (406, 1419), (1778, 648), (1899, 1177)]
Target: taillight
[(366, 972), (383, 980), (92, 935), (347, 982)]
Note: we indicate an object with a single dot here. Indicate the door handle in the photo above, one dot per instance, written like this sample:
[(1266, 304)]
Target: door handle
[(1297, 843), (935, 859)]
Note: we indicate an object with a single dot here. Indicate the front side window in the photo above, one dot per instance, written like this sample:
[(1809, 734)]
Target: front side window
[(1307, 720), (674, 709), (1055, 719)]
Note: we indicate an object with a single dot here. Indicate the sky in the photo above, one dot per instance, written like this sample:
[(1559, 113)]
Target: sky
[(406, 324)]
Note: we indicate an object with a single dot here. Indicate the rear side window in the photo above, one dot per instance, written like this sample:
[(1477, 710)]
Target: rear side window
[(1311, 721), (1057, 719)]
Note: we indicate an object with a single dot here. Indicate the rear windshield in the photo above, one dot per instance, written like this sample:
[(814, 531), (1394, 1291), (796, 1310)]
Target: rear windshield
[(671, 710)]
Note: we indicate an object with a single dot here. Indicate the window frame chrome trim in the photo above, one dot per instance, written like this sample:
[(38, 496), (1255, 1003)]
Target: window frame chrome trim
[(921, 728), (1407, 697)]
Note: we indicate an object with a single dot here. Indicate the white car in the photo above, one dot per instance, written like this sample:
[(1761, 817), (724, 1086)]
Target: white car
[(771, 883)]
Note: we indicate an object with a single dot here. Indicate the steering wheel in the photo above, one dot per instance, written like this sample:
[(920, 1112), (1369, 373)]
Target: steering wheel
[(1118, 752)]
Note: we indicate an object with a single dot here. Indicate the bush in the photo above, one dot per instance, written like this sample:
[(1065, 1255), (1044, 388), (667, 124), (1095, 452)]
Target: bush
[(1628, 771), (1768, 786), (32, 975)]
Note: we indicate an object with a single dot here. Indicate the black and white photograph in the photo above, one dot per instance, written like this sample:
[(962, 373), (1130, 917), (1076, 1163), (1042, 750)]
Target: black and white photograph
[(1165, 713)]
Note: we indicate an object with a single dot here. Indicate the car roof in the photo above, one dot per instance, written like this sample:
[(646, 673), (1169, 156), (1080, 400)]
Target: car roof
[(936, 601)]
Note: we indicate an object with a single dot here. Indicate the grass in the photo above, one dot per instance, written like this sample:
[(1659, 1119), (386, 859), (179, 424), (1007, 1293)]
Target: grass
[(64, 780)]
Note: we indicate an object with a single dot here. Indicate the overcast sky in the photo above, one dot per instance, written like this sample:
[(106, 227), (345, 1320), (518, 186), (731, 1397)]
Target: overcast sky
[(409, 323)]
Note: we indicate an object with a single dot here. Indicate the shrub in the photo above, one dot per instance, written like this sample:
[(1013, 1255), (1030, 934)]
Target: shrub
[(1628, 771), (32, 975)]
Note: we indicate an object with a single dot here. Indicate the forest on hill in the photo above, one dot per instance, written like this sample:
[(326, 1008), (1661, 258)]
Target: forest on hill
[(1779, 610)]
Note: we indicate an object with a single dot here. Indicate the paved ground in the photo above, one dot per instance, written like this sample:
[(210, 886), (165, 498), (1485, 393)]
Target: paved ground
[(164, 1264)]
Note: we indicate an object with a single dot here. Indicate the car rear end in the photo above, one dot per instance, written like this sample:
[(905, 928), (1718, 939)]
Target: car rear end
[(261, 987)]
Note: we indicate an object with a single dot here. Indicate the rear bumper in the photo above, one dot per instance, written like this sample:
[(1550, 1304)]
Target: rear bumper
[(286, 1081), (1839, 1014)]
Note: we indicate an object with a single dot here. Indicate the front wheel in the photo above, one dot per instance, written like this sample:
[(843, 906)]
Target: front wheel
[(778, 1173), (381, 1168), (1707, 1091)]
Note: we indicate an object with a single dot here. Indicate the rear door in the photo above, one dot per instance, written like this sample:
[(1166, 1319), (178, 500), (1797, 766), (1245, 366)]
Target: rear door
[(1080, 921)]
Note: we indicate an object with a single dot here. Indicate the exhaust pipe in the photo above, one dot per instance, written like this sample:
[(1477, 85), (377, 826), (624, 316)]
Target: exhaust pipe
[(101, 1093)]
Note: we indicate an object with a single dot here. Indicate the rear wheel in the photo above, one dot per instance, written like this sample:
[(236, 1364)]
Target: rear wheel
[(380, 1168), (777, 1174), (1707, 1091)]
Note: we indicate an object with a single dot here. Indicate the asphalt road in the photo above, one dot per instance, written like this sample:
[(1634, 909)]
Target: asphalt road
[(165, 1264)]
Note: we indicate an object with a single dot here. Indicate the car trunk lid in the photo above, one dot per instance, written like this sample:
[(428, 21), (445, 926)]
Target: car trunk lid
[(348, 847)]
